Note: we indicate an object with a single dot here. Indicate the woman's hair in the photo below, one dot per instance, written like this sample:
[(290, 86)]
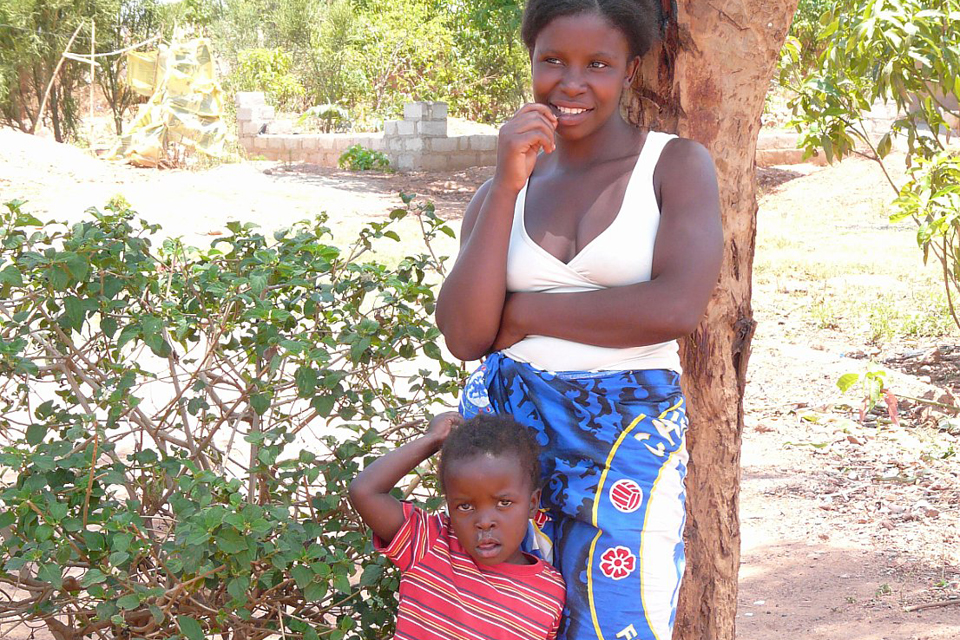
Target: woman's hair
[(495, 435), (640, 21)]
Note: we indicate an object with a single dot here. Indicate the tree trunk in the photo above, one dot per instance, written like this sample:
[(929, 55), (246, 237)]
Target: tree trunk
[(708, 82)]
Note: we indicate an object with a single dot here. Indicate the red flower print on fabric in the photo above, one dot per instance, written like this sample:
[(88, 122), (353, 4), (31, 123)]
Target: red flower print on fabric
[(617, 563)]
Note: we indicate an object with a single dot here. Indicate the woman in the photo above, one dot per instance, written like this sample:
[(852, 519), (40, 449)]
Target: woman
[(591, 250)]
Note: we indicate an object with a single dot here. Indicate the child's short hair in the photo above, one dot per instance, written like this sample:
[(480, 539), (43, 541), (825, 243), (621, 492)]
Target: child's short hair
[(495, 435)]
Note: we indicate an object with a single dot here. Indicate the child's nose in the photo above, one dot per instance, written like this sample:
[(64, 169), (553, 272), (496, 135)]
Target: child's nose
[(485, 521)]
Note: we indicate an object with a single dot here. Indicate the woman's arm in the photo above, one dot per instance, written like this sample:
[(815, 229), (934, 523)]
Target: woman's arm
[(686, 265), (470, 304), (370, 490)]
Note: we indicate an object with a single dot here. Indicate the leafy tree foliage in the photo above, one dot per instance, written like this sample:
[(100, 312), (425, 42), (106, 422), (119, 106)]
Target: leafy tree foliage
[(158, 478), (905, 52), (372, 57)]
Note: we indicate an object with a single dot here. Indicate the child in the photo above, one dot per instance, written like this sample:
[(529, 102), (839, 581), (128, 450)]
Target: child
[(463, 573)]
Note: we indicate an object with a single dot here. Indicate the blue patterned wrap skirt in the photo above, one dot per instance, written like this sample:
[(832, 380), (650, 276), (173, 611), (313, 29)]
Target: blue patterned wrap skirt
[(614, 459)]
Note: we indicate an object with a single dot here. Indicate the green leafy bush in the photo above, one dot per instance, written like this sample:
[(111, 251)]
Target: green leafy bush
[(268, 70), (178, 425), (902, 52), (356, 158)]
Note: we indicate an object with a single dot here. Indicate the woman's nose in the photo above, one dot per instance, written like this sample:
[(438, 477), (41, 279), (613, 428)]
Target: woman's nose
[(572, 81)]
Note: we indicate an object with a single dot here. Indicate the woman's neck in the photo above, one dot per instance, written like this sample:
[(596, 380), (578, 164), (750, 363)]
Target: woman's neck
[(616, 138)]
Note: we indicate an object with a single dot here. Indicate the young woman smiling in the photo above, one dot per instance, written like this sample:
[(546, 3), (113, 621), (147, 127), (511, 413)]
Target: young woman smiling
[(592, 249)]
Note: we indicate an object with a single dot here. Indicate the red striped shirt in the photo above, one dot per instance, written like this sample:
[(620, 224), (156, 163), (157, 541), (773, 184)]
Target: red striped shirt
[(445, 595)]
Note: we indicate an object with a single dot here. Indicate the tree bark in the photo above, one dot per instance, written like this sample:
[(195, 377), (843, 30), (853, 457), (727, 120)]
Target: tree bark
[(707, 81)]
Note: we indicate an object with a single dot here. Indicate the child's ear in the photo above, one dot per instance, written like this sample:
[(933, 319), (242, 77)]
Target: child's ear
[(534, 503)]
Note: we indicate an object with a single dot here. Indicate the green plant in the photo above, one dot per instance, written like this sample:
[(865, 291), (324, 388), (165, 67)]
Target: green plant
[(356, 158), (903, 51), (268, 70), (330, 117), (873, 387), (178, 425)]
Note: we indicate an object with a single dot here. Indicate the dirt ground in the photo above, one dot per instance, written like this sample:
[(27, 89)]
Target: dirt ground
[(850, 530)]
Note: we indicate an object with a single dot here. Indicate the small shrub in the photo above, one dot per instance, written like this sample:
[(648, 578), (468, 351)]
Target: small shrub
[(329, 118), (178, 426), (268, 70), (356, 158)]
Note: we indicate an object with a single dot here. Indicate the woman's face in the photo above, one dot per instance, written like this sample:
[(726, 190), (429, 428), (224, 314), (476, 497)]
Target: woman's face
[(581, 65)]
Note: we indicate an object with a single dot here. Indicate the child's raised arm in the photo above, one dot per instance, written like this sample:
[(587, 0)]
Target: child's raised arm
[(370, 490)]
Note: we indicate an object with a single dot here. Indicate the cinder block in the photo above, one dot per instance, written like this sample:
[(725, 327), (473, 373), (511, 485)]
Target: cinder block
[(483, 143), (261, 142), (250, 128), (435, 162), (250, 98), (487, 159), (280, 127), (458, 161), (463, 143), (414, 110), (432, 128), (406, 128), (310, 143), (395, 144), (274, 142), (248, 144), (413, 144), (771, 157), (442, 145), (438, 110), (341, 143), (377, 143), (245, 113), (265, 112), (390, 128), (777, 141), (407, 162), (325, 142), (292, 143)]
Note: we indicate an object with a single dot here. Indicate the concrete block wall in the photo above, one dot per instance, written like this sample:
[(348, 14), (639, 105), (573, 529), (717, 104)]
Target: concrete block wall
[(417, 142)]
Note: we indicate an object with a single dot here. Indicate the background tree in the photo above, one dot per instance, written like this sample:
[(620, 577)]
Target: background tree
[(904, 53), (708, 82)]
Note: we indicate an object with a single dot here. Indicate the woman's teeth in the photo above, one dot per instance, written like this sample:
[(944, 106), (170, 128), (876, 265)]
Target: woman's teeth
[(569, 111)]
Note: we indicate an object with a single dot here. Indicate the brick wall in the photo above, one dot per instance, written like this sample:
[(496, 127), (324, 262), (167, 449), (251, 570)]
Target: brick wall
[(418, 142)]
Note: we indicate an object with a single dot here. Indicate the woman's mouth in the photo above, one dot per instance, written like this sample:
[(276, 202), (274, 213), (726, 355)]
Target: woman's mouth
[(569, 115)]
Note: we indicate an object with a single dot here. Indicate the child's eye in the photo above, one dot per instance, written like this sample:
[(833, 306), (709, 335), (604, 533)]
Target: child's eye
[(596, 64), (505, 503), (464, 507), (552, 60)]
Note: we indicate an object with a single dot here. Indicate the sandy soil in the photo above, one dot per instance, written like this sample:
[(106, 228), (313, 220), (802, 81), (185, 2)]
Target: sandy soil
[(845, 525)]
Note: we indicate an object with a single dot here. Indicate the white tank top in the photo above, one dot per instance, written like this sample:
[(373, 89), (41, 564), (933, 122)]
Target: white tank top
[(621, 255)]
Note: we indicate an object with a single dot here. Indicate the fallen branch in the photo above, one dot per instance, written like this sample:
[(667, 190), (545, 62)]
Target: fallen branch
[(932, 605)]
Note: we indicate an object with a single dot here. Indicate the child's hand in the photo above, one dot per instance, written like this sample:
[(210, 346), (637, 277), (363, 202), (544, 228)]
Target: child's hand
[(441, 426)]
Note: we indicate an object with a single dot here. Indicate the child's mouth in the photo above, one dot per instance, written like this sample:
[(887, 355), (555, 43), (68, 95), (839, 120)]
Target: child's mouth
[(488, 548)]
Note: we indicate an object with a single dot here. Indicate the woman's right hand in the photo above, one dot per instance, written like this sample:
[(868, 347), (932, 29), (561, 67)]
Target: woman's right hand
[(531, 129)]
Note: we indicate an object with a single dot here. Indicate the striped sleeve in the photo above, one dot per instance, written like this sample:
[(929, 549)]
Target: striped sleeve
[(415, 537)]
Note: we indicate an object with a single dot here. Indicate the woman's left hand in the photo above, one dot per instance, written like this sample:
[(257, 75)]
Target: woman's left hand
[(511, 331)]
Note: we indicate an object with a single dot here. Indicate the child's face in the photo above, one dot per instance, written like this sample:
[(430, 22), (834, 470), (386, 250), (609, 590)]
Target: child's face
[(490, 501)]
